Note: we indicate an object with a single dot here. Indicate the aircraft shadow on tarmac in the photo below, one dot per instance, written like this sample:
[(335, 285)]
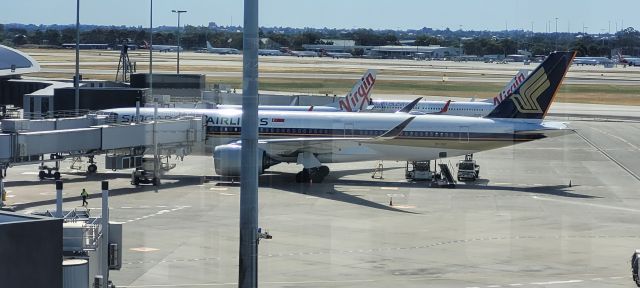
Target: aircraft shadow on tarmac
[(285, 181), (553, 190), (82, 177), (172, 181)]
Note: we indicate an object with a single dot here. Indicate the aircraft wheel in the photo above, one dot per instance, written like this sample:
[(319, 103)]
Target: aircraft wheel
[(323, 170), (92, 168), (303, 176), (42, 174), (317, 177), (56, 175)]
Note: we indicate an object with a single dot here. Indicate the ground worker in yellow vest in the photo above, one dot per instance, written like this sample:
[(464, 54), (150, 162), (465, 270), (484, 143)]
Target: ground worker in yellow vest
[(84, 195)]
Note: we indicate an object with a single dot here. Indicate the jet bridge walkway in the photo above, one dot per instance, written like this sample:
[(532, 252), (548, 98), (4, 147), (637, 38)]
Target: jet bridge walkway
[(21, 145)]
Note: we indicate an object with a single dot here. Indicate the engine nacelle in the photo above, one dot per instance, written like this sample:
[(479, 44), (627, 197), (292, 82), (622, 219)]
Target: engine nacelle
[(228, 158)]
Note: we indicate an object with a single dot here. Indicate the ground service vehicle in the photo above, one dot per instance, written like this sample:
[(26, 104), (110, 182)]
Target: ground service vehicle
[(468, 169)]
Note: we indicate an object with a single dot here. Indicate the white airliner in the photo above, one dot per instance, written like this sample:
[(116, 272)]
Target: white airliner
[(337, 55), (456, 108), (161, 48), (312, 139), (357, 99), (270, 52), (212, 49), (304, 53), (631, 61)]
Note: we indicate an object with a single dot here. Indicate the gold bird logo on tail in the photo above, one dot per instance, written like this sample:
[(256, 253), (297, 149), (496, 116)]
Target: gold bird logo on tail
[(526, 100)]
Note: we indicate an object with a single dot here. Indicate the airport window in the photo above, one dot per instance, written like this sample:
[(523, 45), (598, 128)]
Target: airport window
[(345, 208)]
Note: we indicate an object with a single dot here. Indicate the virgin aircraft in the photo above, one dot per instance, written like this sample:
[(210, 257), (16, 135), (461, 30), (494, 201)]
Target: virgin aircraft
[(457, 108), (315, 139), (357, 99)]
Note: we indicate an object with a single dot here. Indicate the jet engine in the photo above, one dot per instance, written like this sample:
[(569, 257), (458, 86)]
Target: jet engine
[(227, 160)]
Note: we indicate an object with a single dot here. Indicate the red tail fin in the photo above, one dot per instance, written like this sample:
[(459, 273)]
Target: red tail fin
[(358, 98)]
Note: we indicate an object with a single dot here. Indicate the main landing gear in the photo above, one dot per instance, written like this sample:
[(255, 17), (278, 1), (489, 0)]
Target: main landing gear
[(315, 175)]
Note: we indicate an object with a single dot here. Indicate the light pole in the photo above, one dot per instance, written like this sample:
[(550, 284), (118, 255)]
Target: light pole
[(556, 49), (178, 49), (76, 80)]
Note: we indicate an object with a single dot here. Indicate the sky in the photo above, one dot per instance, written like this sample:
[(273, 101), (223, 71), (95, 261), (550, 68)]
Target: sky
[(573, 15)]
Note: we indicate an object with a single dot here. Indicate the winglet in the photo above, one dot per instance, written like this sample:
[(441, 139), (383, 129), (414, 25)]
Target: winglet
[(407, 108), (395, 131), (445, 108)]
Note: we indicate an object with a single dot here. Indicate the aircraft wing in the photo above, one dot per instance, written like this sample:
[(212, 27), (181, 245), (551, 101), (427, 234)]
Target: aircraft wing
[(322, 145), (293, 146)]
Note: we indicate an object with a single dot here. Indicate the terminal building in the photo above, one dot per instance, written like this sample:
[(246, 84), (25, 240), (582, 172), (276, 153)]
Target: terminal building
[(387, 51), (414, 52)]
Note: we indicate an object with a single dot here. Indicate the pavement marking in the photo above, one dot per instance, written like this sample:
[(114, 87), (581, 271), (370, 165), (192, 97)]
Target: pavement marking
[(227, 194), (30, 173), (556, 282), (389, 188), (589, 204), (144, 249), (404, 206), (236, 283), (358, 189), (396, 195), (219, 188), (311, 197), (51, 193), (161, 212)]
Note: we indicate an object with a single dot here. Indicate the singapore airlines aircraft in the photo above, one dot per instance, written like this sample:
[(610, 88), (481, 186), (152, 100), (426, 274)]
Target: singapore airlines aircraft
[(314, 139)]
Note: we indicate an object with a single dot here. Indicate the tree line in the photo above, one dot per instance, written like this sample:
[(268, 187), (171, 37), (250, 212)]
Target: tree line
[(473, 43)]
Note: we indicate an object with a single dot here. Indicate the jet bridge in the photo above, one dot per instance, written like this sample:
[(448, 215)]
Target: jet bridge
[(25, 146)]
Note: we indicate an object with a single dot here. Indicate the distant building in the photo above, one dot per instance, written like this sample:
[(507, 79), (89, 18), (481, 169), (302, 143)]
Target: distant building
[(410, 52), (337, 45), (86, 46)]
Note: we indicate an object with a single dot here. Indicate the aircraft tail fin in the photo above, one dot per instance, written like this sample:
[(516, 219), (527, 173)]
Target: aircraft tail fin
[(359, 96), (532, 99), (508, 89), (209, 45)]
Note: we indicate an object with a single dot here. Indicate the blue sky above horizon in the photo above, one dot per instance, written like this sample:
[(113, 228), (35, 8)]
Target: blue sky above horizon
[(573, 15)]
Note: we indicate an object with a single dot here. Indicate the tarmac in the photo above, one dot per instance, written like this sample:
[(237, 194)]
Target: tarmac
[(558, 212)]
